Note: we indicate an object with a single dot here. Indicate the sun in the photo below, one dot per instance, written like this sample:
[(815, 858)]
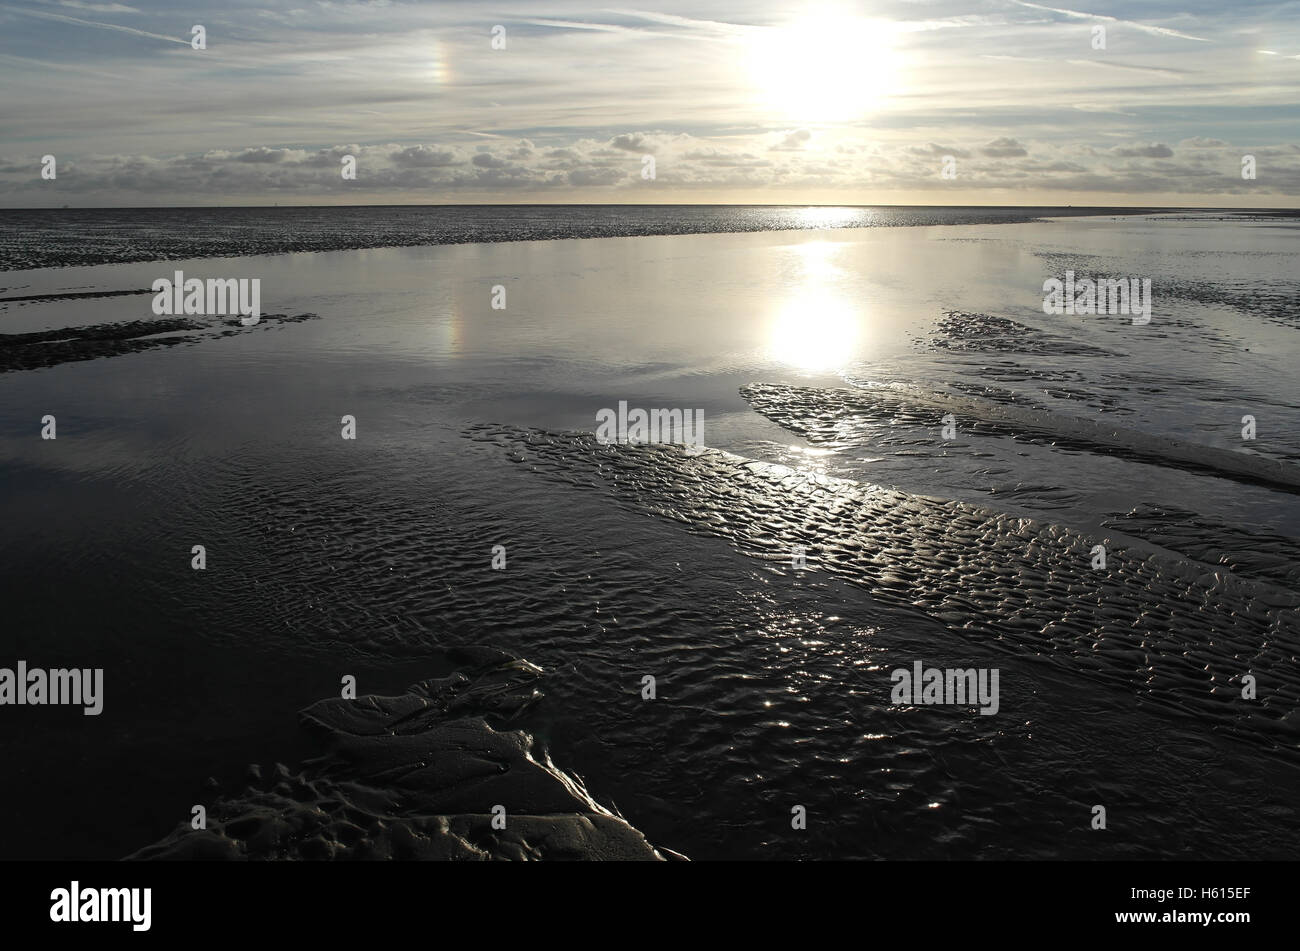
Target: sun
[(826, 68)]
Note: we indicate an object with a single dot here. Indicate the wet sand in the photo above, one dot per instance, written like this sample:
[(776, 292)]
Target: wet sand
[(823, 362)]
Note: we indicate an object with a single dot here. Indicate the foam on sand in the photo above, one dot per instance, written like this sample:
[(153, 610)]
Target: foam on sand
[(416, 776)]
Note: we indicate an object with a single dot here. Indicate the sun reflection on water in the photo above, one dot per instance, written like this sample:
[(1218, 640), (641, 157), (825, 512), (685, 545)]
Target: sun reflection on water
[(818, 327)]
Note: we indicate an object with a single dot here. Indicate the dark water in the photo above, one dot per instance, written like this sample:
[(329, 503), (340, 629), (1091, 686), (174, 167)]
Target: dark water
[(824, 362)]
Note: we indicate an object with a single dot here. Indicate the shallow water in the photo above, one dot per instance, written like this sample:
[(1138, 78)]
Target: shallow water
[(833, 353)]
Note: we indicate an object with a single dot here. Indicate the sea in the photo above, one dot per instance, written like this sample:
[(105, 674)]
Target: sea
[(906, 460)]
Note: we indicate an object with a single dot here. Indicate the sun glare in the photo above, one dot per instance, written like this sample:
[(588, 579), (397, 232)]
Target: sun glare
[(817, 333), (825, 68), (818, 328)]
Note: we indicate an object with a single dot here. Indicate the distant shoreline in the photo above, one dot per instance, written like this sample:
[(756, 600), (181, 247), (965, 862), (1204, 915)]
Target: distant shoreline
[(1100, 209), (36, 239)]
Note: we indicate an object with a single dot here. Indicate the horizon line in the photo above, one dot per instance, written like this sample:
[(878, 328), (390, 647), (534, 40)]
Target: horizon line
[(658, 204)]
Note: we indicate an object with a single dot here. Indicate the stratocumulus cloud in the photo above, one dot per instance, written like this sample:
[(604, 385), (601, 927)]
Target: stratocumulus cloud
[(575, 100)]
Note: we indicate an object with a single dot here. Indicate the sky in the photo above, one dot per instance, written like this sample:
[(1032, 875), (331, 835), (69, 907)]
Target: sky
[(1001, 102)]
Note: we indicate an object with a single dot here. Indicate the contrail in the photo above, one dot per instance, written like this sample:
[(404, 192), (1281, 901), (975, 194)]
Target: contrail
[(96, 23), (1158, 30)]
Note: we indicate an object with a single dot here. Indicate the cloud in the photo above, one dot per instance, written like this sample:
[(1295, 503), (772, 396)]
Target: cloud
[(416, 88), (793, 141), (631, 142), (1154, 150), (934, 150), (425, 156), (1004, 148), (331, 156), (685, 164), (262, 155)]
